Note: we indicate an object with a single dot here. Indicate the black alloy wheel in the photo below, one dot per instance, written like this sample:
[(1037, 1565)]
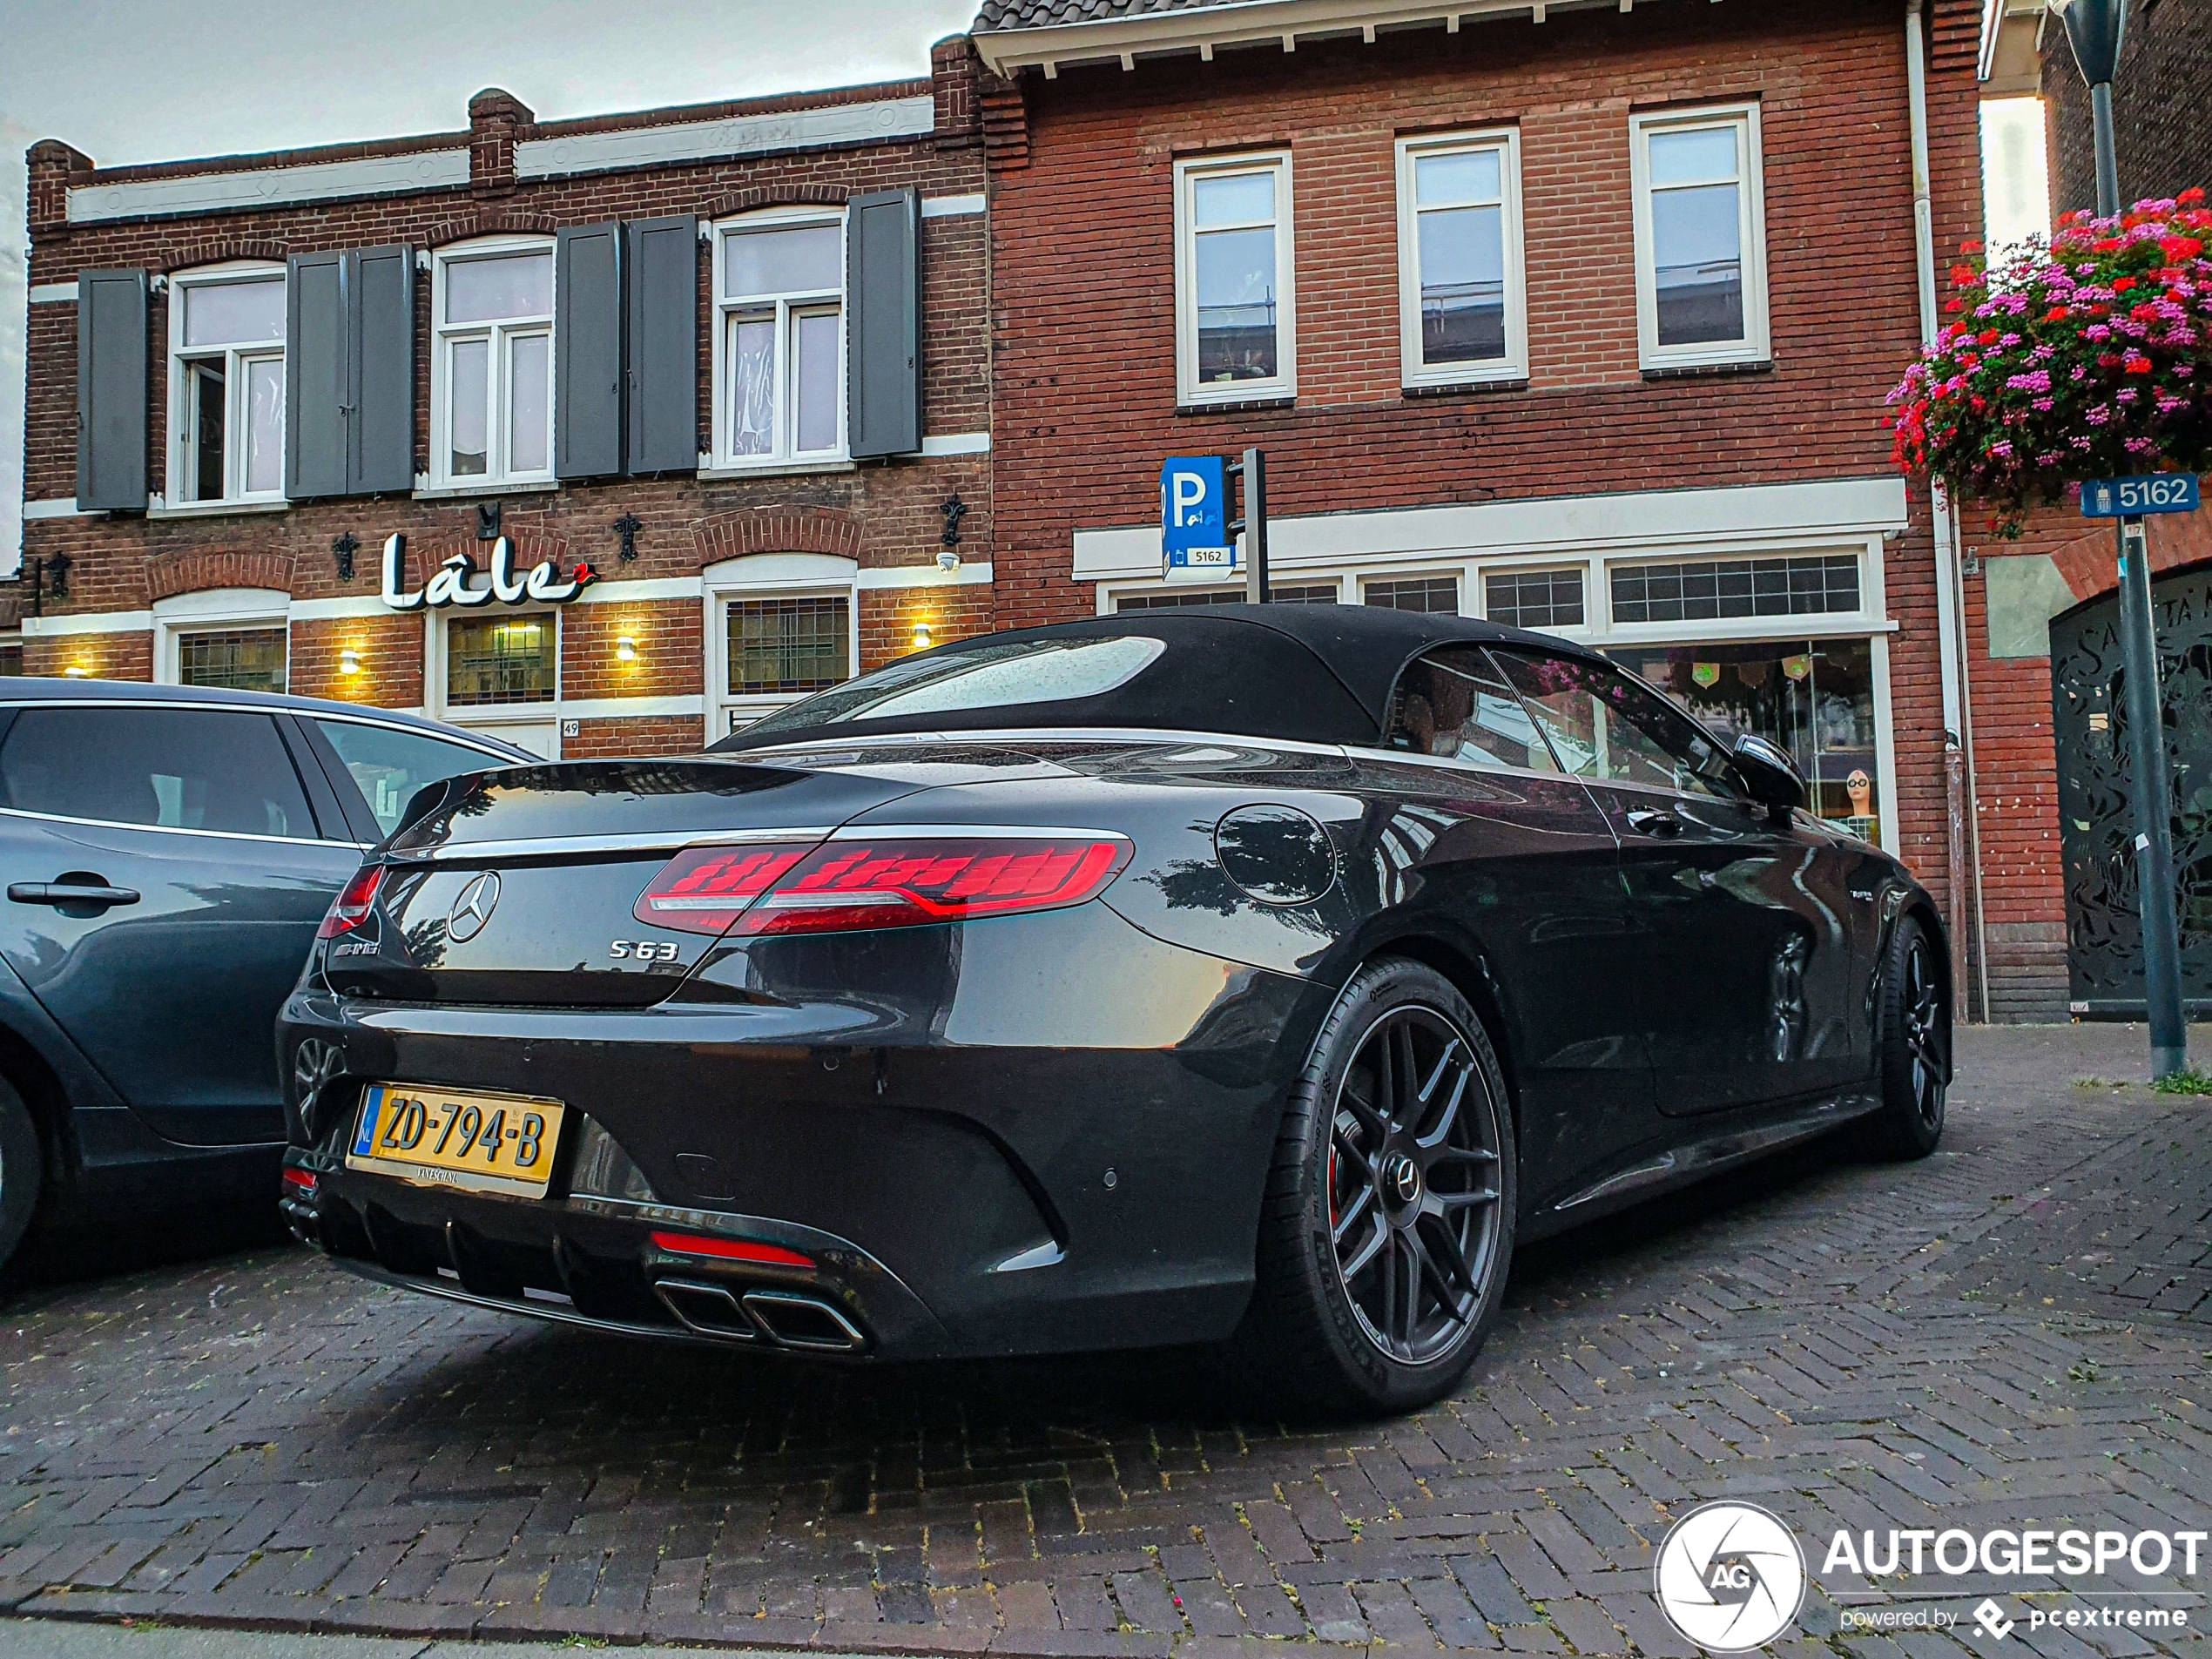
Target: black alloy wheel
[(1413, 1198), (1388, 1226), (1916, 1044)]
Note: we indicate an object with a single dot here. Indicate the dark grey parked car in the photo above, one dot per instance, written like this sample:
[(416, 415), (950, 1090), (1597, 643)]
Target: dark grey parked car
[(167, 852)]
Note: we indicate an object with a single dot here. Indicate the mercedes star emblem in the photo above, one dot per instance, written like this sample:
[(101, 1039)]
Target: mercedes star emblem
[(472, 909)]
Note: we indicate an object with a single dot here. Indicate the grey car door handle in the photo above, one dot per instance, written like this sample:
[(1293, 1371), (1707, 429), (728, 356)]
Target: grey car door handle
[(1648, 821), (61, 893)]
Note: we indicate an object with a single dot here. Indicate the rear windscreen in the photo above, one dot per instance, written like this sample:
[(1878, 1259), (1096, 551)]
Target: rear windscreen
[(1011, 673)]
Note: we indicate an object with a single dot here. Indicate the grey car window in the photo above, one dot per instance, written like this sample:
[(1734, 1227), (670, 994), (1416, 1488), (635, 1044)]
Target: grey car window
[(388, 764), (1451, 701), (1605, 726), (176, 768)]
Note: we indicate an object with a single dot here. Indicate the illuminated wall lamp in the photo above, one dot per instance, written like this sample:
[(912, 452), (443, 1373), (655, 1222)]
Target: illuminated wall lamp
[(922, 635), (349, 661), (76, 673), (626, 649)]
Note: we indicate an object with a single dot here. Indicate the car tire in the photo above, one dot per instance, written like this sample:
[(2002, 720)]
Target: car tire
[(1362, 1204), (23, 1172), (1916, 1045)]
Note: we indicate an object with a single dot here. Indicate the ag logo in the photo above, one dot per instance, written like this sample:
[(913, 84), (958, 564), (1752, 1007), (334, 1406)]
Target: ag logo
[(1729, 1577)]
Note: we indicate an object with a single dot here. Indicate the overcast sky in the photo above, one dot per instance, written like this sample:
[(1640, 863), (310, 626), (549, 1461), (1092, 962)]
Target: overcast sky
[(134, 80)]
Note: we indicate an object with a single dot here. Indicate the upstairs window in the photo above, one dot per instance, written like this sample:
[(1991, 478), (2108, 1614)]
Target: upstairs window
[(1459, 260), (1701, 238), (226, 387), (780, 347), (492, 383), (1236, 327)]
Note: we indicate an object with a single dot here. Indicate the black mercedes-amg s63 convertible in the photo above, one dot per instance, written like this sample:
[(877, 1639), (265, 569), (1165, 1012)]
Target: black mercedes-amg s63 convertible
[(1252, 974)]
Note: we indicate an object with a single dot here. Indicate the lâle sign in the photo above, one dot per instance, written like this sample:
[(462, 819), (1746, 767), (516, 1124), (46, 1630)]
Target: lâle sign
[(450, 586)]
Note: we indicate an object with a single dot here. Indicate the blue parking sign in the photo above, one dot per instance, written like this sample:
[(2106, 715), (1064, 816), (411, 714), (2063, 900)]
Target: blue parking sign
[(2161, 492), (1194, 519)]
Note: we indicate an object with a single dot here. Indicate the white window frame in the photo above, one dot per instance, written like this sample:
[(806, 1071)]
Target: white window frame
[(787, 308), (1505, 142), (1456, 574), (1189, 391), (482, 717), (1755, 346), (766, 577), (216, 610), (177, 470), (501, 333), (1477, 602)]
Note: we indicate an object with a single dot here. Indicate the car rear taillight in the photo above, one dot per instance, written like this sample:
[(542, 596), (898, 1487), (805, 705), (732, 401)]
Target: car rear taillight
[(702, 889), (900, 882), (354, 901), (731, 1249)]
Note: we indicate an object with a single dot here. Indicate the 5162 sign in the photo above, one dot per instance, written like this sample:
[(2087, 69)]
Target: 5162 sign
[(543, 583), (2160, 492)]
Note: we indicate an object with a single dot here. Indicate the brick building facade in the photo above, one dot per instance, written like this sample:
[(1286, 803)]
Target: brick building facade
[(2162, 106), (632, 336), (1638, 400)]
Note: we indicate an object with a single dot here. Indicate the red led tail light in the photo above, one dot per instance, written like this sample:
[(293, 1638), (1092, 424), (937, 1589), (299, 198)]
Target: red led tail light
[(900, 881), (702, 889), (353, 903)]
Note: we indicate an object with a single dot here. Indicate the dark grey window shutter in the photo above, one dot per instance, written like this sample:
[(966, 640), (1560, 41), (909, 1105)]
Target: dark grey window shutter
[(380, 446), (111, 390), (883, 322), (663, 393), (314, 375), (587, 352)]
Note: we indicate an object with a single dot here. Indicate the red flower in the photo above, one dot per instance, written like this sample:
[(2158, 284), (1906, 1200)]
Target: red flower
[(1978, 404), (2107, 244), (1988, 337), (2138, 364), (1955, 305), (2123, 285), (2057, 313), (1964, 276), (1969, 247), (2178, 248), (2190, 197)]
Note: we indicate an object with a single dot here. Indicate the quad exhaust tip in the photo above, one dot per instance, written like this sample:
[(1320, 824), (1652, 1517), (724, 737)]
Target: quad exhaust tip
[(787, 1319)]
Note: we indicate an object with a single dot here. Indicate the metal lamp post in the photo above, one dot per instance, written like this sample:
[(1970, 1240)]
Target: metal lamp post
[(2095, 28)]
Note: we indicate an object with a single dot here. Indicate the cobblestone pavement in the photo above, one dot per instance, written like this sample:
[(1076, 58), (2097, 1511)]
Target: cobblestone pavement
[(2016, 1331)]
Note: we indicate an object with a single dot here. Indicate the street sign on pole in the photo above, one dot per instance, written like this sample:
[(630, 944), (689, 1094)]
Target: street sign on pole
[(2160, 492), (1195, 542)]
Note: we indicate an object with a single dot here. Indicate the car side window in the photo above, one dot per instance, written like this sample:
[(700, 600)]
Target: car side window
[(169, 768), (388, 764), (1451, 701), (1606, 728)]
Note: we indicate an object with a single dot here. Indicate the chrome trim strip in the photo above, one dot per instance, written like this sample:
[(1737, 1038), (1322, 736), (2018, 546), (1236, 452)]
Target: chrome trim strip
[(1452, 763), (988, 736), (638, 841), (956, 832), (179, 829)]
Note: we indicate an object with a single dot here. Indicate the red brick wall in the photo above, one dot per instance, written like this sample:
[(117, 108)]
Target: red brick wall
[(1083, 301), (885, 514)]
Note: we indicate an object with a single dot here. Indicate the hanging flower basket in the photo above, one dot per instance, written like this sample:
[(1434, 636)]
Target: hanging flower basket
[(2089, 358)]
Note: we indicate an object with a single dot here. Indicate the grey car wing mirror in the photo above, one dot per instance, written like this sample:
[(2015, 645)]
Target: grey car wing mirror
[(1769, 776)]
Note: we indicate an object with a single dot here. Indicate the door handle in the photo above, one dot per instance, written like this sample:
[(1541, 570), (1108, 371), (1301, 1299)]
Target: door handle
[(1649, 821), (62, 892)]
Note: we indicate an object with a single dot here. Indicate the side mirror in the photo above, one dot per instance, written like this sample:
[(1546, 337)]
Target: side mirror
[(1769, 774)]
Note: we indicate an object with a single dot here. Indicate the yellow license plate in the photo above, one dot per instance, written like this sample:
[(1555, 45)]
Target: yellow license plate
[(453, 1137)]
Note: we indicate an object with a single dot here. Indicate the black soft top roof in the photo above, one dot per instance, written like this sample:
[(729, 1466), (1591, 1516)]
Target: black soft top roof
[(1308, 673)]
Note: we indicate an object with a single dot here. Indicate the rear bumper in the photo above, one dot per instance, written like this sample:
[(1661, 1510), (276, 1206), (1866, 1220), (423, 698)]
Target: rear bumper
[(1043, 1133)]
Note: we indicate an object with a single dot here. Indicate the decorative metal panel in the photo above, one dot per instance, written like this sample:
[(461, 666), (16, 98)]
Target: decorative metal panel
[(2096, 812)]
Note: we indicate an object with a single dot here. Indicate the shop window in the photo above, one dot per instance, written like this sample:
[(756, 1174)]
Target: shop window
[(1711, 588), (235, 659), (1438, 594), (226, 387), (492, 385), (1236, 334), (1814, 698), (1700, 236), (1311, 593), (779, 349), (1535, 598), (1459, 259), (782, 647), (497, 660)]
